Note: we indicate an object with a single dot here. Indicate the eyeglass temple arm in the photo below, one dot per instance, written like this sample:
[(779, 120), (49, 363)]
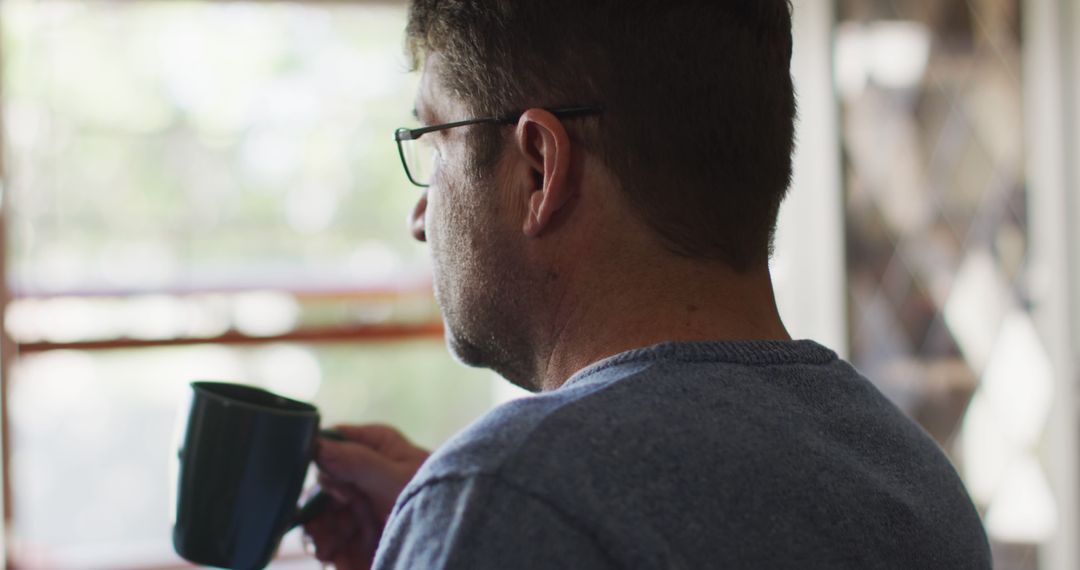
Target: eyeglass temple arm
[(404, 134)]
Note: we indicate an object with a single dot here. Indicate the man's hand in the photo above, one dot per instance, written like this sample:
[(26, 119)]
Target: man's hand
[(364, 474)]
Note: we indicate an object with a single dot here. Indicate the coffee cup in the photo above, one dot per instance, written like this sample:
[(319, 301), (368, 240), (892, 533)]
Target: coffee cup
[(242, 459)]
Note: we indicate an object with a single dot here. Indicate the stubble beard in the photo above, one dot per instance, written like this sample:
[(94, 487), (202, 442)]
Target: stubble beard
[(483, 291)]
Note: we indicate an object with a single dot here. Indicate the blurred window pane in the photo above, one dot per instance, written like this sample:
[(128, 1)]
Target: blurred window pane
[(160, 144), (93, 431), (180, 171), (938, 244)]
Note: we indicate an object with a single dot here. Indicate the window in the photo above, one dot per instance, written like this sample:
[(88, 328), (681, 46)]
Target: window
[(202, 190), (941, 286)]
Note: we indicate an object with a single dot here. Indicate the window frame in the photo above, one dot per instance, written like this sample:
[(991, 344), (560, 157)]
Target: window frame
[(11, 349)]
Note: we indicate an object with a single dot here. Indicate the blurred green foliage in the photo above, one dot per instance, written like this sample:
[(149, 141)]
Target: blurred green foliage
[(152, 145), (161, 143)]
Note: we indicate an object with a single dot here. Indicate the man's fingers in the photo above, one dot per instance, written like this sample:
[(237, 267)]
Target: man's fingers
[(369, 528), (343, 493), (380, 437), (364, 474), (359, 551), (360, 465), (326, 533), (360, 480), (347, 556)]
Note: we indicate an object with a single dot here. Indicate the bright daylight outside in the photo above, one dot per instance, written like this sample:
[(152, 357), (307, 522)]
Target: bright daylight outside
[(201, 190)]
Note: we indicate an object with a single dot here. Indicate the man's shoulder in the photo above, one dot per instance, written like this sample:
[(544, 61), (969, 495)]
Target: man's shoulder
[(672, 398), (519, 427), (736, 446)]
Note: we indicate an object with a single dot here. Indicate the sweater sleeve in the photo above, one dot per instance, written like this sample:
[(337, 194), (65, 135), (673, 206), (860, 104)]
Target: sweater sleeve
[(480, 522)]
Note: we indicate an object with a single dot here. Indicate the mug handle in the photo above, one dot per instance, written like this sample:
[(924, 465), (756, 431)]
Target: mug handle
[(319, 503)]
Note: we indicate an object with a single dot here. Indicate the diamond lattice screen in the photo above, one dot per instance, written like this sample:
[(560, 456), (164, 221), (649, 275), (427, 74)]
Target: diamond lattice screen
[(937, 243)]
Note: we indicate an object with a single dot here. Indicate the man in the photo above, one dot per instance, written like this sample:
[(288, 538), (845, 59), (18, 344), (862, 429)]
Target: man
[(605, 181)]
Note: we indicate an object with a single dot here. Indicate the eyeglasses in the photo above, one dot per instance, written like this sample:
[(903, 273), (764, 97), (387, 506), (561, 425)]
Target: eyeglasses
[(419, 156)]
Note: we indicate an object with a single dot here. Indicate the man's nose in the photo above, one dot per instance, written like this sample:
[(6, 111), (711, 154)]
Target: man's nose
[(416, 218)]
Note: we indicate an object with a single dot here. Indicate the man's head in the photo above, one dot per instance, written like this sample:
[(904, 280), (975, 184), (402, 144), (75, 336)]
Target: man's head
[(694, 144), (699, 105)]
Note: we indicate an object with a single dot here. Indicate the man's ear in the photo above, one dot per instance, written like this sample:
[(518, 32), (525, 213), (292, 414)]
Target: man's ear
[(544, 144)]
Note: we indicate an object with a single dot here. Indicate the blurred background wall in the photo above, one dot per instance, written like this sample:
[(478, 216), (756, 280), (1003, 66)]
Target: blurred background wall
[(207, 189)]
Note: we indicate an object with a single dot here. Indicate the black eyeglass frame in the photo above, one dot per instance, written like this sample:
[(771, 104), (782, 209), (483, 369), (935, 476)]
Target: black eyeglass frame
[(405, 134)]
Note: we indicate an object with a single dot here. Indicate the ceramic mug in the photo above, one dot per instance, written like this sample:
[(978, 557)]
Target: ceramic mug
[(242, 460)]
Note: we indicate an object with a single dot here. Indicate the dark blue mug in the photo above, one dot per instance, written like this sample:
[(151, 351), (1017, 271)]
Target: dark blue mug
[(243, 458)]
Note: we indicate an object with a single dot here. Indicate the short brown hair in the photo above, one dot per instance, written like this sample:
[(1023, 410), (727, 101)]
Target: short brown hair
[(699, 108)]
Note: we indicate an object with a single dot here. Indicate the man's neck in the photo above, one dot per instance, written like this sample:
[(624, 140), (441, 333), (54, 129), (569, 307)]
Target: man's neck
[(671, 300)]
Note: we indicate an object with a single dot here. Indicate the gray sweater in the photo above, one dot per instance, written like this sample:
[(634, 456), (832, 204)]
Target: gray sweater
[(691, 455)]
